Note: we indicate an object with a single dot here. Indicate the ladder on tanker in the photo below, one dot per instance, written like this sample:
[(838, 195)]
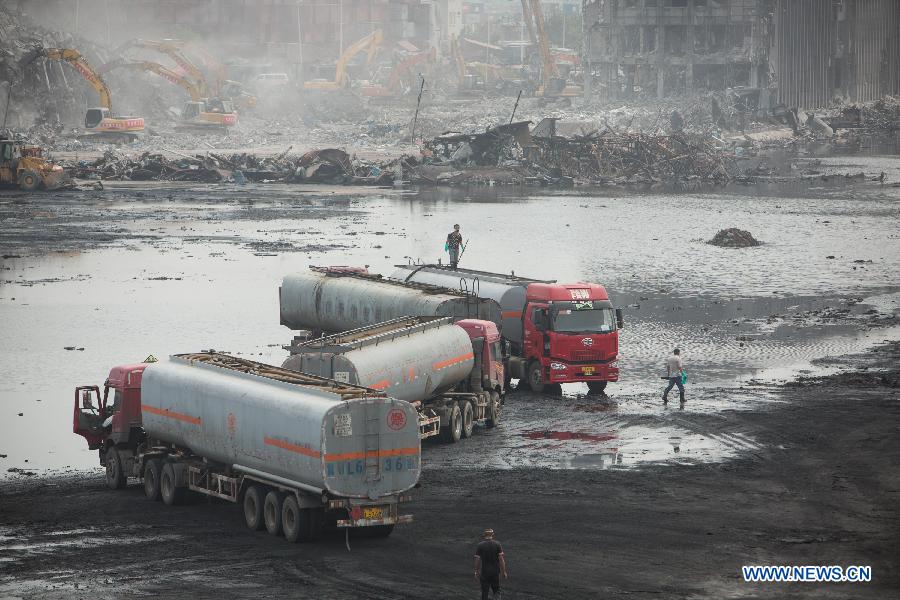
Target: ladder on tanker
[(372, 441)]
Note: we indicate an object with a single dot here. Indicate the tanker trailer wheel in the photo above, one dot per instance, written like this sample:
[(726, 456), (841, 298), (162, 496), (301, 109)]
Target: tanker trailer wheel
[(272, 511), (253, 507), (152, 472), (296, 523), (115, 473), (172, 494), (536, 377), (596, 387), (29, 181), (453, 431), (468, 419), (494, 408)]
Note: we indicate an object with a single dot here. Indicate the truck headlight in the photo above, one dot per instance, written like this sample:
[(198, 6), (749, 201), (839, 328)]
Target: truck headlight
[(613, 364), (557, 366)]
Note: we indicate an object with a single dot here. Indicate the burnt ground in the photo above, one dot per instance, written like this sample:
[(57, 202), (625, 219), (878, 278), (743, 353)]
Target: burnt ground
[(822, 488)]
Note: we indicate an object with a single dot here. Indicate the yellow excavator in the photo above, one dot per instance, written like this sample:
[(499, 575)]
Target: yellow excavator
[(552, 84), (341, 81), (24, 166), (199, 112), (99, 121)]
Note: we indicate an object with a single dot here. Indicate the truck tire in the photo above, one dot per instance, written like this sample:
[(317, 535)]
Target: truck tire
[(115, 472), (295, 522), (493, 410), (272, 512), (468, 419), (152, 472), (453, 431), (29, 181), (536, 377), (172, 494), (596, 387), (253, 508)]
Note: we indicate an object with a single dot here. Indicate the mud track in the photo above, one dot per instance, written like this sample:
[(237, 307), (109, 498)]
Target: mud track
[(822, 488)]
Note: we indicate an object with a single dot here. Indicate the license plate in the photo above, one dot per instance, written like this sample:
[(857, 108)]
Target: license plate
[(587, 370), (375, 512)]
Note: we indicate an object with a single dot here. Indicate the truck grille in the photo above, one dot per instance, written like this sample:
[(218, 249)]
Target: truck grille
[(586, 355)]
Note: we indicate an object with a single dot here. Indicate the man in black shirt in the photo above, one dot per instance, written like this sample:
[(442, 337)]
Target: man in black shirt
[(454, 241), (489, 564)]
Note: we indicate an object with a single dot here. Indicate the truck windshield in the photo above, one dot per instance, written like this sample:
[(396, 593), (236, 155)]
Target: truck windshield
[(590, 316)]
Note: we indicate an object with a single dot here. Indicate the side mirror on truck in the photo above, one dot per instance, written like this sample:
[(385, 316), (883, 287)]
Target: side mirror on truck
[(620, 318)]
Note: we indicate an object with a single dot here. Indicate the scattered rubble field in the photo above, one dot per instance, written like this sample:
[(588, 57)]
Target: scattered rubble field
[(822, 490)]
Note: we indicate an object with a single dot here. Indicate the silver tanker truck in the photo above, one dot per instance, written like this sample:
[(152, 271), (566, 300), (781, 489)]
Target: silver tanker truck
[(452, 372), (329, 301), (297, 451)]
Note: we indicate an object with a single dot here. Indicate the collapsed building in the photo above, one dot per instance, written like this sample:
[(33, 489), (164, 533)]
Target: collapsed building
[(800, 53)]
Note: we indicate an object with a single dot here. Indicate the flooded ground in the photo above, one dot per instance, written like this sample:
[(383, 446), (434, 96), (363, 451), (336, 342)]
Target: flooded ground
[(98, 278)]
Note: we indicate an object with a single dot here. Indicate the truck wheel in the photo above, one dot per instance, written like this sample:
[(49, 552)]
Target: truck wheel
[(296, 523), (536, 377), (29, 181), (596, 387), (172, 494), (151, 479), (468, 419), (272, 512), (493, 409), (115, 473), (253, 508), (453, 431)]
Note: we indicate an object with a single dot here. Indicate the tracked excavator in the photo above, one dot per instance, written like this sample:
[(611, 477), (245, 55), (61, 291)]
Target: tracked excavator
[(341, 81), (99, 122), (198, 112), (395, 86), (552, 82)]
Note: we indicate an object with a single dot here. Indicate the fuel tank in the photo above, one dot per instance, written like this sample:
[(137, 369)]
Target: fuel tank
[(409, 359), (340, 302), (509, 291), (313, 431)]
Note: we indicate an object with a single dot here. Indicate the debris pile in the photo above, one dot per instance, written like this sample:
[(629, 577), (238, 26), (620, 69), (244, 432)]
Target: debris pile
[(330, 165), (734, 238)]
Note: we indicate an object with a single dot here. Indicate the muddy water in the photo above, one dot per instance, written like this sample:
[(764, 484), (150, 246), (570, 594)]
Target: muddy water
[(156, 269)]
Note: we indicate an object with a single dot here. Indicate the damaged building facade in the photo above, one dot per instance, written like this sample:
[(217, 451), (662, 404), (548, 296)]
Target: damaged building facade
[(803, 53)]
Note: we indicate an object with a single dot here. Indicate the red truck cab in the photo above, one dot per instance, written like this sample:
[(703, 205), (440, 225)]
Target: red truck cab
[(570, 334), (112, 416), (492, 353)]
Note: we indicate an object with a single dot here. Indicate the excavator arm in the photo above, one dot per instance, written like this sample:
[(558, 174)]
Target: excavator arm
[(168, 74), (408, 63), (369, 43), (80, 64), (173, 51)]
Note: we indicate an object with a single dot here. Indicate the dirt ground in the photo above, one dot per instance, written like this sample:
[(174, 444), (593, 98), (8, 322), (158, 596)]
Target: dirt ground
[(821, 489)]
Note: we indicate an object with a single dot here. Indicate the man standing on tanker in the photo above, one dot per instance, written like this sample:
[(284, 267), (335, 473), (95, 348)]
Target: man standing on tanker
[(454, 241), (489, 564)]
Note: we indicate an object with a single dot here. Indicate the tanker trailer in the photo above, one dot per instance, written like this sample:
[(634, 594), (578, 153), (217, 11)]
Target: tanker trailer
[(557, 332), (297, 451), (328, 301), (452, 372)]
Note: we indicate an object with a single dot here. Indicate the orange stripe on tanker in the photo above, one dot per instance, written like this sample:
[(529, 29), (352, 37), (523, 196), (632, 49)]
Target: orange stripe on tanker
[(375, 453), (453, 361), (291, 447), (164, 412)]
